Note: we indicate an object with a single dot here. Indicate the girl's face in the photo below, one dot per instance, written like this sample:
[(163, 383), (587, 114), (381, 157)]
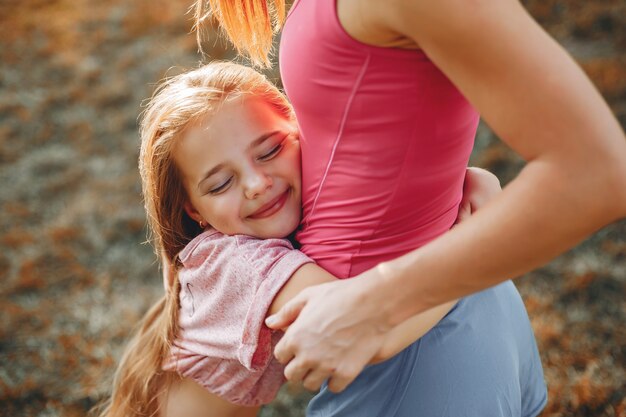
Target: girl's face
[(241, 170)]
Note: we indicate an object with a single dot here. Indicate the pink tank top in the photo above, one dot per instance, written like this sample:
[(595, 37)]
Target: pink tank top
[(385, 140)]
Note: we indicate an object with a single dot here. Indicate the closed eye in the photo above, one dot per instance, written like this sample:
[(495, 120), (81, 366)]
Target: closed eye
[(222, 187), (272, 153)]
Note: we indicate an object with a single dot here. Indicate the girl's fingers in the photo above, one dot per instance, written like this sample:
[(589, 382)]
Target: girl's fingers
[(465, 212)]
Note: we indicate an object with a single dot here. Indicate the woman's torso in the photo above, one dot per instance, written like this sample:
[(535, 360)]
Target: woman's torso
[(385, 140)]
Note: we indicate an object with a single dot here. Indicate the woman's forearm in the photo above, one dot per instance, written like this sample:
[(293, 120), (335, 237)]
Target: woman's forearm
[(542, 105), (542, 213)]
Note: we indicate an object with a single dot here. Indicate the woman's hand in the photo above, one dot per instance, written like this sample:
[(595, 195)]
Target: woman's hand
[(319, 345)]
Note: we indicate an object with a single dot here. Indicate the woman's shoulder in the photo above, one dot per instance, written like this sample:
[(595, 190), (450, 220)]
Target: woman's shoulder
[(372, 22)]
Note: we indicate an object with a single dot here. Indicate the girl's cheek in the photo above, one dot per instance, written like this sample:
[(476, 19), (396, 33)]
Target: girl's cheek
[(222, 210), (293, 158)]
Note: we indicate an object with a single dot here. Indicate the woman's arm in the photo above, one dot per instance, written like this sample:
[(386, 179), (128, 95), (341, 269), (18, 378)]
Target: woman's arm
[(542, 105)]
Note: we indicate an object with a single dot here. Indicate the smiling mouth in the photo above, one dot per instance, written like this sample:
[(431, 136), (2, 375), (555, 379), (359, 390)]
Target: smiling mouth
[(270, 208)]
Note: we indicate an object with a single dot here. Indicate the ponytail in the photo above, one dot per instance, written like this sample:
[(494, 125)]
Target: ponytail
[(139, 380), (249, 24)]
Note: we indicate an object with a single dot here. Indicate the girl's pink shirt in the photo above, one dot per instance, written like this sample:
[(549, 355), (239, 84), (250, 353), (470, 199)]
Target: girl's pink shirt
[(227, 285)]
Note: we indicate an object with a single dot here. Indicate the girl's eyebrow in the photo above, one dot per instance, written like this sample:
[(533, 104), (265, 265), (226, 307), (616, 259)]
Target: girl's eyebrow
[(262, 138)]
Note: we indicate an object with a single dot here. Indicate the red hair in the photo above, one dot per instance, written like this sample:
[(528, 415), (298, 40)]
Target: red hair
[(249, 24)]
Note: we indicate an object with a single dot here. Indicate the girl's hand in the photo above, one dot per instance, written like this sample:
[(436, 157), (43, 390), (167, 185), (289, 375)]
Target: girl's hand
[(480, 186)]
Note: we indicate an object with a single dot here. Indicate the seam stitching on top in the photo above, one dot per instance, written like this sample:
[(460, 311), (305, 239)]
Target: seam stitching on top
[(401, 175), (344, 118)]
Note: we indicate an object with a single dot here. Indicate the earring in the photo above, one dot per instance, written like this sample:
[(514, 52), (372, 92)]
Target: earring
[(202, 224)]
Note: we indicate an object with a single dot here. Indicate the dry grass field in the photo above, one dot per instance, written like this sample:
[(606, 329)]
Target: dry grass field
[(76, 275)]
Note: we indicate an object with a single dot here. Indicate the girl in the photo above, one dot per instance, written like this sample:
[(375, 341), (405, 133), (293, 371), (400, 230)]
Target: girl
[(220, 166)]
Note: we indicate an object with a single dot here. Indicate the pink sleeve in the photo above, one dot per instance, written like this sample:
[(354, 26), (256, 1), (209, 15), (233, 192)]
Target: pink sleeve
[(227, 286), (276, 261)]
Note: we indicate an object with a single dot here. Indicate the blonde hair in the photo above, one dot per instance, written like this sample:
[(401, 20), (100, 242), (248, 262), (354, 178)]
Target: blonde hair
[(249, 24), (179, 101)]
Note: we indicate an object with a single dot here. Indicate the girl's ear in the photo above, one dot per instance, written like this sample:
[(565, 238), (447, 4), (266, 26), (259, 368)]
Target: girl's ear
[(192, 212)]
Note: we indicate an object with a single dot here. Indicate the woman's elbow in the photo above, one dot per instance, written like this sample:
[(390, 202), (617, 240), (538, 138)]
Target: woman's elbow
[(611, 169), (618, 181), (597, 170), (608, 186)]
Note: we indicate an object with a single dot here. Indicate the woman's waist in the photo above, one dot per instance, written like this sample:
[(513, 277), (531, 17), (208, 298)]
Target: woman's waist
[(346, 246)]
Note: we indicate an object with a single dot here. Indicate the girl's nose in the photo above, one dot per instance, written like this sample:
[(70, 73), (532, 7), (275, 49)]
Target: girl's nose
[(256, 184)]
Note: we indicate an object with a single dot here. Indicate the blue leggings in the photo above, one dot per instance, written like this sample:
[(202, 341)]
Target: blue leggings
[(481, 360)]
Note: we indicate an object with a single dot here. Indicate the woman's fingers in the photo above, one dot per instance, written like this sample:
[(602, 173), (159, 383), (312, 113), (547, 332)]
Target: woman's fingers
[(284, 352), (312, 373), (341, 379), (285, 349), (288, 313), (314, 379), (296, 373)]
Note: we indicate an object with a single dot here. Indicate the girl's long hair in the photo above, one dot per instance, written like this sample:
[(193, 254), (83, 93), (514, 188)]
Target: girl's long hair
[(249, 24), (139, 381)]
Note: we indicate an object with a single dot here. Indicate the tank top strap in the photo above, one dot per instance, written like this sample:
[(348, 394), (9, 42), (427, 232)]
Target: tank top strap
[(328, 26)]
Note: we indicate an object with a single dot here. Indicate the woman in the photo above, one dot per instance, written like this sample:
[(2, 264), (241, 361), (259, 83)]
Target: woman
[(388, 86)]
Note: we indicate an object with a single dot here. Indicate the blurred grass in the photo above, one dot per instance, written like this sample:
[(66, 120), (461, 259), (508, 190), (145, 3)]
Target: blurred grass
[(75, 272)]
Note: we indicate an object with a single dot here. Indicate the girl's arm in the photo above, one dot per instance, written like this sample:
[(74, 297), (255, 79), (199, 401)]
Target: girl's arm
[(186, 398), (534, 96)]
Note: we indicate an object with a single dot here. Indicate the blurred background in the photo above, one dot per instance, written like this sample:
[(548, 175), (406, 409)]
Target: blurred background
[(76, 274)]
